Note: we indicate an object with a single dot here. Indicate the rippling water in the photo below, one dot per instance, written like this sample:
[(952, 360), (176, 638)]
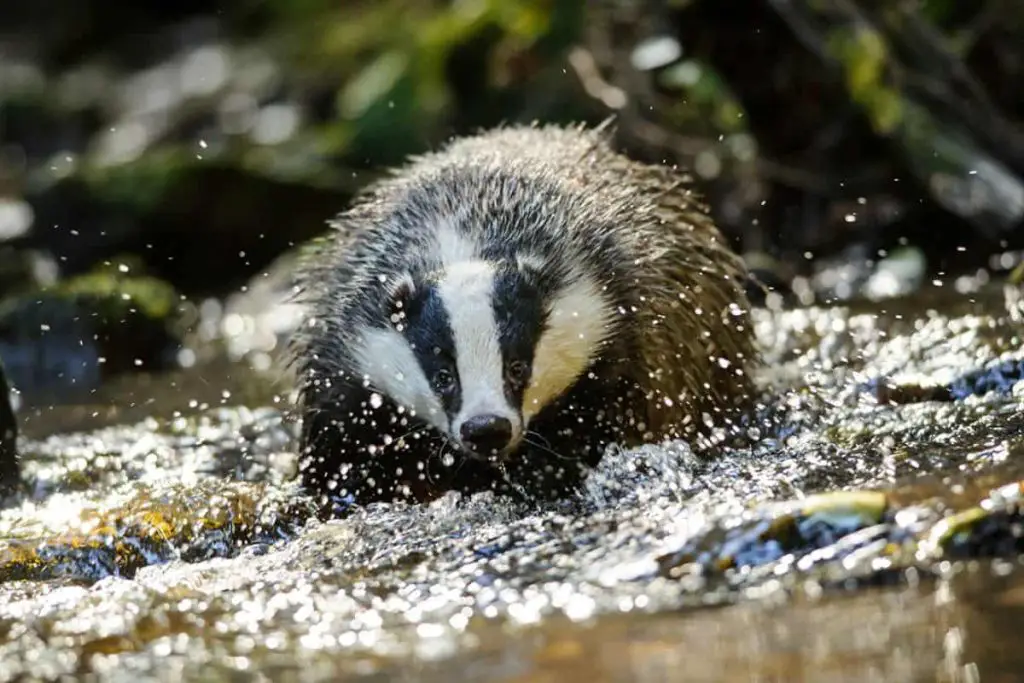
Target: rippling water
[(869, 530)]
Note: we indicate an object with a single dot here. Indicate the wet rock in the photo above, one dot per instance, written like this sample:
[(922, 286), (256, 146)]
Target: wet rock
[(8, 438), (156, 525), (74, 334), (993, 528), (173, 492), (1001, 376), (793, 529), (887, 393)]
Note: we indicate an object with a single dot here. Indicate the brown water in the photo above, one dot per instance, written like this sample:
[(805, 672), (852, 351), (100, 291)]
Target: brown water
[(852, 538)]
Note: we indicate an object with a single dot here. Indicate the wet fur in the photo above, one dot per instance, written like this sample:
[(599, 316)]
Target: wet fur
[(561, 199)]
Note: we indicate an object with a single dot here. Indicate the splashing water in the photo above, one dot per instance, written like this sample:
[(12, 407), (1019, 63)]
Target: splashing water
[(181, 548)]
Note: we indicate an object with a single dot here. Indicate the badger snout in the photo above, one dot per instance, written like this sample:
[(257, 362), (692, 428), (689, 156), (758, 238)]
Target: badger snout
[(487, 435)]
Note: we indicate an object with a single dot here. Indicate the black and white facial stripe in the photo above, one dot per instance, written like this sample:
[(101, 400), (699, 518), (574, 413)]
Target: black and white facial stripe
[(521, 316), (479, 347), (468, 290)]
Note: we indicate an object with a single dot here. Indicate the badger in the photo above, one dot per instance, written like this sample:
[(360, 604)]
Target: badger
[(495, 314)]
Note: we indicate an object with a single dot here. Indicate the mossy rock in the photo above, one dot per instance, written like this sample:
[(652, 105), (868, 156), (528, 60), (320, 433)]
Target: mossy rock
[(76, 333)]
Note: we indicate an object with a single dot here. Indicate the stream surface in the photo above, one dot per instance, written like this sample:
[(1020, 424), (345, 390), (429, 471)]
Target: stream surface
[(867, 528)]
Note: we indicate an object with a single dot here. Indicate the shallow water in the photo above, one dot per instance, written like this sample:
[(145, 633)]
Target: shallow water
[(868, 530)]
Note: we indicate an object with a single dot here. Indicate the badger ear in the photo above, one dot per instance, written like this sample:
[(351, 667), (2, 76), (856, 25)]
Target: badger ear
[(401, 291)]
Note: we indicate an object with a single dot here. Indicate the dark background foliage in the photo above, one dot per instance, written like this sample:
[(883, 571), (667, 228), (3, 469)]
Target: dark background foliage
[(179, 148)]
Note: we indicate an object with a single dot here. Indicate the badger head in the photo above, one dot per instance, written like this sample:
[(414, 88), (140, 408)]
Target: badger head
[(478, 348)]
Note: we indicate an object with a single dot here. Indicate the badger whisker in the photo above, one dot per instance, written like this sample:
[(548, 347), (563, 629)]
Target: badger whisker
[(463, 460), (546, 449), (445, 443), (412, 431), (538, 435)]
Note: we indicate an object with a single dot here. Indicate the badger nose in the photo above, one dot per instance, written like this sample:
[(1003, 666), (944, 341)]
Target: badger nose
[(486, 434)]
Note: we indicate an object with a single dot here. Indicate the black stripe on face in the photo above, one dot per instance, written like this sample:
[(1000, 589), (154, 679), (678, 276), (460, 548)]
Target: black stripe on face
[(428, 330), (520, 314)]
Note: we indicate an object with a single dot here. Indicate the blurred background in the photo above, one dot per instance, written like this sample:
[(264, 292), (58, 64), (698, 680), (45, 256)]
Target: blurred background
[(162, 163)]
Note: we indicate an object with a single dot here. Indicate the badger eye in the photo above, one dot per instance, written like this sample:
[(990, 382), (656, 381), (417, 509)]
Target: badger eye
[(517, 372), (443, 381)]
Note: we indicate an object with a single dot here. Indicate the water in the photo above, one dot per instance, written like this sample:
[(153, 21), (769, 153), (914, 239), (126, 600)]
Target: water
[(868, 530)]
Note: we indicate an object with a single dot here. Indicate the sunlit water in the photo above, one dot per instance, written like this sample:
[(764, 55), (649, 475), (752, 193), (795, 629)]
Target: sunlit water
[(176, 546)]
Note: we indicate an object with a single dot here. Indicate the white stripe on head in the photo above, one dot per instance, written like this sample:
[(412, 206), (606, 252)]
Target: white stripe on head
[(387, 361), (466, 290), (578, 321), (452, 245)]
